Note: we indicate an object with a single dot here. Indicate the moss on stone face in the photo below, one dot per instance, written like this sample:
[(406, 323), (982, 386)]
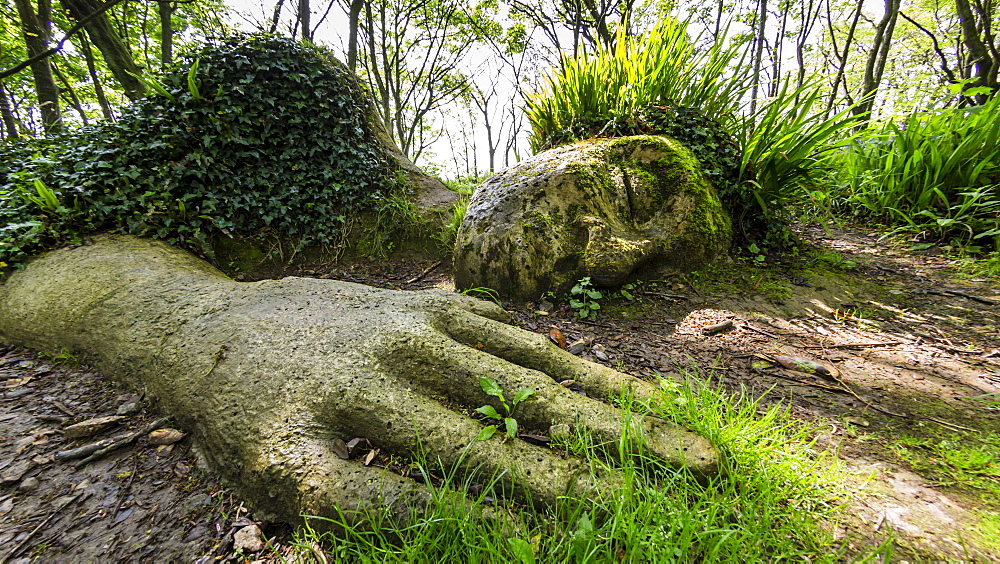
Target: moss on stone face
[(618, 204)]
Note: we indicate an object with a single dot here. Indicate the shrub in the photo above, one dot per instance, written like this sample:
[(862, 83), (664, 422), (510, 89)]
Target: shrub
[(601, 94), (252, 134)]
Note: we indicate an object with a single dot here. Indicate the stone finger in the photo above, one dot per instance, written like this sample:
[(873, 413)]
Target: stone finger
[(535, 351), (437, 364), (296, 475), (407, 423)]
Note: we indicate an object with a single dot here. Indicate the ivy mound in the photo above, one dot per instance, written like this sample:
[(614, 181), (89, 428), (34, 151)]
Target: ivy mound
[(603, 208), (252, 135)]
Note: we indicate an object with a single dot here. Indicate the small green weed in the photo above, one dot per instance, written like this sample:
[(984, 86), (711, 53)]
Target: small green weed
[(833, 259), (510, 424), (64, 355), (630, 292), (583, 299), (757, 255)]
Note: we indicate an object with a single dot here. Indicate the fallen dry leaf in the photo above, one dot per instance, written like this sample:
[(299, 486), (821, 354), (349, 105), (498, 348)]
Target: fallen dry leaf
[(556, 336)]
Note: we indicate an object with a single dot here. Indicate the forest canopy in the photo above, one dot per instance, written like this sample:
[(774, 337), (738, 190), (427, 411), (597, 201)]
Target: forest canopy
[(878, 111)]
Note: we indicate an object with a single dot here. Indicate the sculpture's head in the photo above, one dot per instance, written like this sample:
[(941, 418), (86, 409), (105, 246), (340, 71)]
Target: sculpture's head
[(601, 208)]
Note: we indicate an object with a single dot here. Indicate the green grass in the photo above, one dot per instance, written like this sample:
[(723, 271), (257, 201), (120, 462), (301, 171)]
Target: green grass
[(466, 184), (989, 529), (452, 222), (615, 84), (770, 504), (961, 458)]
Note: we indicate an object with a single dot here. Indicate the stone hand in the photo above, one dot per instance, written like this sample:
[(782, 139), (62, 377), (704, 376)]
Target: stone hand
[(267, 375)]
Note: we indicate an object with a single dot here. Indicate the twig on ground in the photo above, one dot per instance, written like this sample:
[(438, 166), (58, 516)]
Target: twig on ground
[(951, 425), (124, 491), (808, 383), (100, 448), (880, 521), (59, 405), (979, 299), (855, 345), (835, 376), (666, 295), (759, 330), (695, 290), (425, 272), (722, 327), (594, 323)]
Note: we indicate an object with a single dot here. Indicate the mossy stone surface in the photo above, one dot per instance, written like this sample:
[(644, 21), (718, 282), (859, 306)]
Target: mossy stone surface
[(604, 208)]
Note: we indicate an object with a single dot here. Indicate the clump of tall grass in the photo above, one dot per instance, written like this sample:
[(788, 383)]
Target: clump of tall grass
[(609, 88), (787, 147), (934, 172), (451, 222), (767, 506)]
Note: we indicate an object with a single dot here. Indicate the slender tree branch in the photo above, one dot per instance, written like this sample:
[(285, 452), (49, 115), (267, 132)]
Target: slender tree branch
[(937, 47)]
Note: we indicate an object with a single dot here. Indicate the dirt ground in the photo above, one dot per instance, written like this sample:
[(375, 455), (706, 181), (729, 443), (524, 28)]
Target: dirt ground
[(907, 342)]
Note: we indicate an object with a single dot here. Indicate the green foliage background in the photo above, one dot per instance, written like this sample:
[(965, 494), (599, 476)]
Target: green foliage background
[(252, 134), (664, 83)]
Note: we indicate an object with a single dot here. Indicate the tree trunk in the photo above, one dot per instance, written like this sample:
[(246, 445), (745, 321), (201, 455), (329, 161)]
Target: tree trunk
[(809, 12), (45, 84), (107, 40), (353, 20), (267, 376), (102, 98), (982, 63), (758, 54), (304, 13), (276, 16), (877, 60), (9, 121), (166, 10), (69, 91), (841, 55)]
